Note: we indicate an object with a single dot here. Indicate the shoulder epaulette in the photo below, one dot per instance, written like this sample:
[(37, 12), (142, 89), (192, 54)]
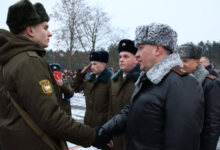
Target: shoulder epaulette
[(32, 54), (211, 77), (180, 70)]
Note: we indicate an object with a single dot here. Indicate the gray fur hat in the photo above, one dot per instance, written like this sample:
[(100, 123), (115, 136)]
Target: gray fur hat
[(190, 51), (156, 34), (23, 14)]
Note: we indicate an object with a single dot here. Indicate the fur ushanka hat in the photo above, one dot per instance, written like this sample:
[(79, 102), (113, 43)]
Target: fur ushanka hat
[(190, 51), (23, 14), (156, 34), (127, 45), (101, 56)]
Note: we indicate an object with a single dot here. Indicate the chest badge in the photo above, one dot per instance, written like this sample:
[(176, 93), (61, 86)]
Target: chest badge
[(46, 86)]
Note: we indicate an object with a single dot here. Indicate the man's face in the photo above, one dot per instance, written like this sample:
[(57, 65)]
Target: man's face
[(97, 67), (204, 62), (127, 61), (190, 64), (41, 34), (146, 56)]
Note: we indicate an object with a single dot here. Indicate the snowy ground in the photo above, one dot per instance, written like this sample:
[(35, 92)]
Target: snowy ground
[(78, 111)]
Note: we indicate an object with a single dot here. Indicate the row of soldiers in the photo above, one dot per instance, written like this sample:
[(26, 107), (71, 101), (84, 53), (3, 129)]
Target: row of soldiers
[(156, 101)]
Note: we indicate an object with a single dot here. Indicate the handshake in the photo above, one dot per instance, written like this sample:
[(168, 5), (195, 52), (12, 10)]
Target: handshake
[(101, 138)]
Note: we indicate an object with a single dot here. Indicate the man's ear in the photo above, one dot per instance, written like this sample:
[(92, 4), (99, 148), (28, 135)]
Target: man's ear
[(29, 31), (103, 65), (159, 50), (197, 62)]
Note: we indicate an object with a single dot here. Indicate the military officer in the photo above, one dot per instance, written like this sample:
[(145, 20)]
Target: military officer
[(191, 55)]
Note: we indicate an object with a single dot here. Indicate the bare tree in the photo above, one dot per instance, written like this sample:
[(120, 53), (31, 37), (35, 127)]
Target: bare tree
[(95, 30), (69, 14), (118, 34), (82, 28)]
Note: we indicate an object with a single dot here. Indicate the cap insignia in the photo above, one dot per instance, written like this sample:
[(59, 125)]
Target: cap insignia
[(123, 44), (181, 51)]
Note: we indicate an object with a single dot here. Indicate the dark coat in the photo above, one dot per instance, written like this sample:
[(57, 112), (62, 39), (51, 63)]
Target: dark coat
[(31, 83), (121, 92), (163, 116), (97, 96), (67, 92), (211, 71), (211, 129)]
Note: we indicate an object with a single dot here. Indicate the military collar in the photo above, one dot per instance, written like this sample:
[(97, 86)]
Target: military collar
[(200, 73), (162, 68), (133, 74)]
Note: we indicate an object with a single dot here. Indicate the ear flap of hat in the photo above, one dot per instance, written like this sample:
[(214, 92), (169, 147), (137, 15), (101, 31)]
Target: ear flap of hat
[(41, 12)]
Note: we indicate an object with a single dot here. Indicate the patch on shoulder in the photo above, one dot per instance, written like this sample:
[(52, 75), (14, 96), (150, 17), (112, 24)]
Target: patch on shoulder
[(32, 54), (180, 70), (46, 86), (211, 76)]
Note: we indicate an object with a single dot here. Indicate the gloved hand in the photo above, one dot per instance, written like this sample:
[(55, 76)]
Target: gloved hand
[(101, 138)]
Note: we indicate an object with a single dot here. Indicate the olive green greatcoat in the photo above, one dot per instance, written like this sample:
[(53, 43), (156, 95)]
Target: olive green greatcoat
[(68, 93), (25, 70), (121, 92), (97, 96)]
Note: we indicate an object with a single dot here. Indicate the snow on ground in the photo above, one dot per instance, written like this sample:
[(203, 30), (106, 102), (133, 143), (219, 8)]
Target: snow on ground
[(78, 107)]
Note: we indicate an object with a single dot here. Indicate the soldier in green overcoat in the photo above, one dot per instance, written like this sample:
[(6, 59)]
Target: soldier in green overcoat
[(27, 77)]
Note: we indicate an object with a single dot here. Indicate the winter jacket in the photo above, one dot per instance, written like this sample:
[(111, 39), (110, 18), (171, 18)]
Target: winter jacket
[(121, 92), (211, 88), (165, 112), (96, 92), (30, 82)]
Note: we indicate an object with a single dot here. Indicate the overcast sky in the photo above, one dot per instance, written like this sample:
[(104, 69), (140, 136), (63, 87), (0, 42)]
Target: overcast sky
[(194, 20)]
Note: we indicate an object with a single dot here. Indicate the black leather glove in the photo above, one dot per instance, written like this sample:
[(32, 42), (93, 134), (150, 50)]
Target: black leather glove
[(101, 138)]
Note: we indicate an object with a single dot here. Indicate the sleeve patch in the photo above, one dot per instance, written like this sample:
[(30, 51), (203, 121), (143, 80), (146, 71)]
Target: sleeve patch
[(46, 86)]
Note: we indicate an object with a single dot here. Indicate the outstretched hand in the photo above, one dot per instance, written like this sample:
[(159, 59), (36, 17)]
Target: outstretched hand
[(102, 138), (86, 69)]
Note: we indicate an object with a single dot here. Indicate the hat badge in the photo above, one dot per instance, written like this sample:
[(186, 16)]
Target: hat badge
[(91, 55), (123, 44), (54, 67), (181, 51)]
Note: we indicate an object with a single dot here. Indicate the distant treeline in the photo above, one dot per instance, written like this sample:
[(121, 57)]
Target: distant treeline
[(80, 59)]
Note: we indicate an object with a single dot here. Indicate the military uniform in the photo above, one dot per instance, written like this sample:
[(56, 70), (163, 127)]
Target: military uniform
[(96, 92), (31, 84), (121, 92), (122, 88)]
